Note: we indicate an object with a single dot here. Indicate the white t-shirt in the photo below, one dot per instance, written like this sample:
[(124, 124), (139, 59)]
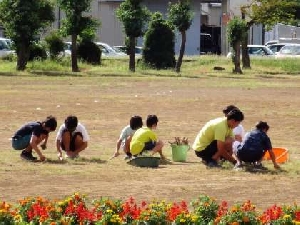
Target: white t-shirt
[(80, 128), (125, 133), (239, 130)]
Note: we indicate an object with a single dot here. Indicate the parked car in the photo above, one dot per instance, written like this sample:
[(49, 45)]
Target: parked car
[(288, 51), (108, 51), (257, 50), (68, 46), (5, 48), (122, 48), (276, 47)]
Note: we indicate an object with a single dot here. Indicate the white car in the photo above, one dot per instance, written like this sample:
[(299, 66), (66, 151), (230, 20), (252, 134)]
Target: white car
[(108, 51), (289, 51), (257, 50), (5, 48)]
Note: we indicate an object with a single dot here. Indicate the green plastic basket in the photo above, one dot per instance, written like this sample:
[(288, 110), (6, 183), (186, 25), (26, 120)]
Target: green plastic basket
[(145, 161), (179, 152)]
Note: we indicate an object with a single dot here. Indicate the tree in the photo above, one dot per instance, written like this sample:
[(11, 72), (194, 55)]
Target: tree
[(159, 42), (134, 19), (23, 21), (237, 29), (268, 13), (181, 17), (75, 23)]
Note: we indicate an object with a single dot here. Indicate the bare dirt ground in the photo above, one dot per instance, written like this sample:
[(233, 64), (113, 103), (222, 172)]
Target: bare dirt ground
[(104, 106)]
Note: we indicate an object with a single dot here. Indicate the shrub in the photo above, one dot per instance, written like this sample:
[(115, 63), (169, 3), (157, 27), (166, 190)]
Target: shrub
[(89, 52), (37, 52), (55, 44), (159, 43)]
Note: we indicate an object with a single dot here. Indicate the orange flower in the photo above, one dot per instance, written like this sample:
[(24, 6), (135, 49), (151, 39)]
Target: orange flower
[(235, 223), (246, 219)]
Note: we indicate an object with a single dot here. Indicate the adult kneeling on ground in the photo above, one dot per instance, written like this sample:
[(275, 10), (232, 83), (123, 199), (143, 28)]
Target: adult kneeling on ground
[(214, 141)]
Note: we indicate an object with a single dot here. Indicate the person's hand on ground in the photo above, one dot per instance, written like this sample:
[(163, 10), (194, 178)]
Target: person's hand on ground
[(42, 158), (116, 154)]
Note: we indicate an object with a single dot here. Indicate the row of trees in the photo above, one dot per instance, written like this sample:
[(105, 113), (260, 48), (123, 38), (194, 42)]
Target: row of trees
[(23, 21), (266, 12)]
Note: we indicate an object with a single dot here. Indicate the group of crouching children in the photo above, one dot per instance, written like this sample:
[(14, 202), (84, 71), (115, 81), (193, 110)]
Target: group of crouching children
[(219, 139)]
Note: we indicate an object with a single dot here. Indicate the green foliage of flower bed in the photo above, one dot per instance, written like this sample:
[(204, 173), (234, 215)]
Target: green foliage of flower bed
[(204, 210)]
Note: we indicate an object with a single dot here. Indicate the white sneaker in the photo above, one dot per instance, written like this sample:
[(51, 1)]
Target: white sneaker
[(74, 157)]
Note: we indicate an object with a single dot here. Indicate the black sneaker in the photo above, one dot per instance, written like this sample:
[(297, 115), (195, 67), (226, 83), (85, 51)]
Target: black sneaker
[(28, 156), (213, 164)]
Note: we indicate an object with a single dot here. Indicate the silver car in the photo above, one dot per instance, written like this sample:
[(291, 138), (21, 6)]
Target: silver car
[(289, 51), (5, 48), (108, 51)]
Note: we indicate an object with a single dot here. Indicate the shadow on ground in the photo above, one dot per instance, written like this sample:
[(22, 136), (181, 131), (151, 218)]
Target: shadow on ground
[(76, 161)]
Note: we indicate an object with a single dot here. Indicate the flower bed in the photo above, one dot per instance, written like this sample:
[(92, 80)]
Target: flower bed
[(204, 210)]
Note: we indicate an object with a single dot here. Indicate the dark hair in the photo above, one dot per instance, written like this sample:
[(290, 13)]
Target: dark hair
[(136, 122), (71, 122), (228, 108), (151, 120), (262, 126), (50, 122), (236, 115)]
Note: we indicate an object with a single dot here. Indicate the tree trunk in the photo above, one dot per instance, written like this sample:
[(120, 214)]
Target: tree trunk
[(181, 52), (22, 55), (74, 53), (237, 58), (245, 54), (132, 54)]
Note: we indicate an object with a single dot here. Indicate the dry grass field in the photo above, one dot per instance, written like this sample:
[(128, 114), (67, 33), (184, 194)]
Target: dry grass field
[(105, 104)]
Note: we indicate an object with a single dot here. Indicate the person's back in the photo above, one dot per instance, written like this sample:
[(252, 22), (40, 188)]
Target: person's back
[(145, 139), (140, 137), (256, 140), (126, 134), (215, 129), (215, 139), (254, 146)]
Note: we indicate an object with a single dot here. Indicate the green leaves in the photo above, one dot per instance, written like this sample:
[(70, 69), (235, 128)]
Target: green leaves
[(236, 30), (134, 17), (181, 15), (271, 12)]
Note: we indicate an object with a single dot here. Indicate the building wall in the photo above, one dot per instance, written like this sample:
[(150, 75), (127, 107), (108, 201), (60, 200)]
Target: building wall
[(111, 31), (215, 13)]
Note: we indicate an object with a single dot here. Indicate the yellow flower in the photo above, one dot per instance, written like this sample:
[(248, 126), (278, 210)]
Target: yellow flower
[(17, 217), (194, 218)]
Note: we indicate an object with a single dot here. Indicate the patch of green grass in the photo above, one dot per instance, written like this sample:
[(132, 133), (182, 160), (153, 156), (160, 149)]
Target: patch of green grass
[(192, 66)]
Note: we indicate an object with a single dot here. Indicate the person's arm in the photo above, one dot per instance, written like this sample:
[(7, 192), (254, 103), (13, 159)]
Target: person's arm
[(44, 145), (59, 155), (117, 151), (223, 152), (33, 143), (272, 155)]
